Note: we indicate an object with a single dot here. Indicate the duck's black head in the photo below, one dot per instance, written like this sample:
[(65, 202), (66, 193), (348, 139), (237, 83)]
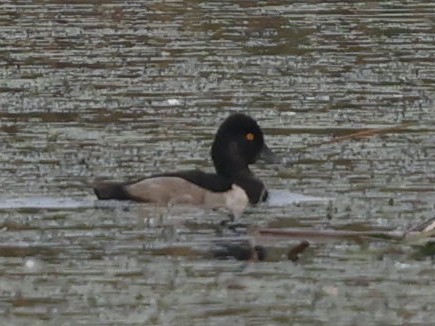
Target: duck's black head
[(238, 142)]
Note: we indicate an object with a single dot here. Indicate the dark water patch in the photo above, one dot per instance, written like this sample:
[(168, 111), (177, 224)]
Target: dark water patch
[(28, 251), (121, 90)]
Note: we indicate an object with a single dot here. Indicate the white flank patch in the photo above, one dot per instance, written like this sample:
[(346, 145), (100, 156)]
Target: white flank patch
[(236, 200)]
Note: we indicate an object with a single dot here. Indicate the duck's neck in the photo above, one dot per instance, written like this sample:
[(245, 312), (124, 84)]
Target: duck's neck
[(232, 171), (227, 160)]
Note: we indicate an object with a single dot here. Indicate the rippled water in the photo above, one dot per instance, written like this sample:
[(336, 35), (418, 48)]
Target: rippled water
[(123, 89)]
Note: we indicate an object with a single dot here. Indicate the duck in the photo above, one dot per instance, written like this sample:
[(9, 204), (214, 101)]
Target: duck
[(238, 143)]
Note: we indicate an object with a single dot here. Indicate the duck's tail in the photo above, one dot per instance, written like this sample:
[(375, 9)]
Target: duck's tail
[(110, 190)]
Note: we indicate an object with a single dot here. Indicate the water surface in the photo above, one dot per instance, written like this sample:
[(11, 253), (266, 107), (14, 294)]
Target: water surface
[(124, 89)]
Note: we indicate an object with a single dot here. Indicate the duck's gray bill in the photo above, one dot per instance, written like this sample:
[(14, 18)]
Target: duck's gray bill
[(268, 156)]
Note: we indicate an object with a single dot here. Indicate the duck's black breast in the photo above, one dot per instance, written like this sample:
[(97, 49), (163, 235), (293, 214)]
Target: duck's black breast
[(254, 188)]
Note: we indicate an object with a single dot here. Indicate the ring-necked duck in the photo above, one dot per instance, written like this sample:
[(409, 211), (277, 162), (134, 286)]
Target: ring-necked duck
[(238, 143)]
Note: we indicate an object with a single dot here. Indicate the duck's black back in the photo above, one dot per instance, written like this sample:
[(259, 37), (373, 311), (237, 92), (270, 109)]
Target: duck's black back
[(209, 181)]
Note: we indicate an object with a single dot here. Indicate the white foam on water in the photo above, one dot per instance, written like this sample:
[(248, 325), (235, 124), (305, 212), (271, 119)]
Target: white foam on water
[(276, 198), (285, 197), (45, 202)]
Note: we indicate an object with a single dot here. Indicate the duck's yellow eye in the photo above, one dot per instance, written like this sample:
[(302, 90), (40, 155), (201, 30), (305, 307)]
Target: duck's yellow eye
[(249, 136)]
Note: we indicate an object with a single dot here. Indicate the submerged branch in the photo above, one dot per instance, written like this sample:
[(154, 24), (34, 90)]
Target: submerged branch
[(332, 234), (419, 234)]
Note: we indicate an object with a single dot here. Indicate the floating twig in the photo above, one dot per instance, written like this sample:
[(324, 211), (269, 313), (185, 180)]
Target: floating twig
[(372, 132), (293, 253), (365, 133)]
